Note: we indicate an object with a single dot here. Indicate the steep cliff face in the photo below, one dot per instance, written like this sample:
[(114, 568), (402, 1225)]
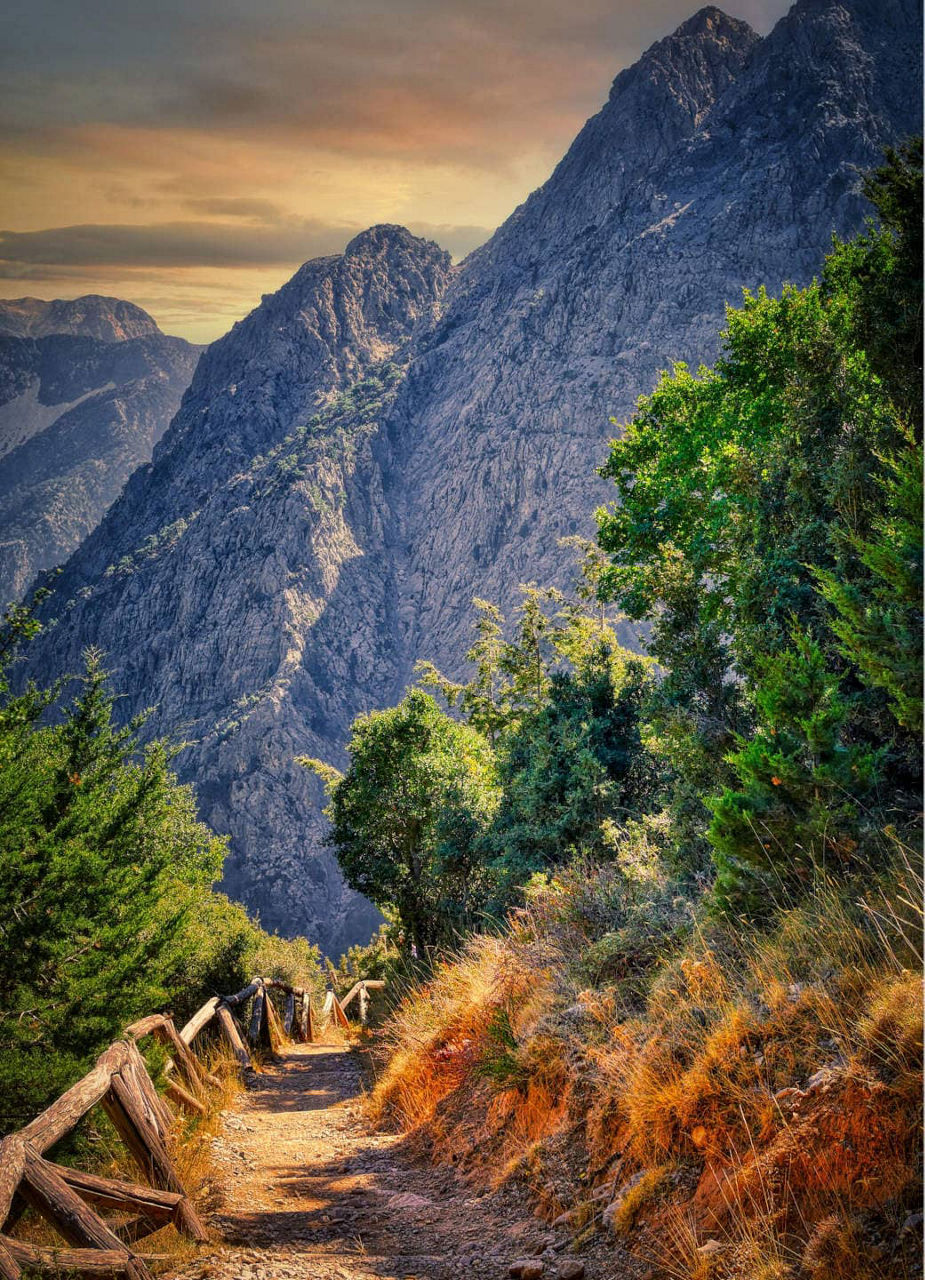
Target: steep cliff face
[(568, 313), (80, 409), (241, 585), (387, 437)]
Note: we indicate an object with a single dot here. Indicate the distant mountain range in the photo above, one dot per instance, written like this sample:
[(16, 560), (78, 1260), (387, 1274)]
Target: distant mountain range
[(87, 388), (388, 436)]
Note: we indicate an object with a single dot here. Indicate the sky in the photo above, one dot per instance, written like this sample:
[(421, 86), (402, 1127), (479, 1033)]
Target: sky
[(189, 155)]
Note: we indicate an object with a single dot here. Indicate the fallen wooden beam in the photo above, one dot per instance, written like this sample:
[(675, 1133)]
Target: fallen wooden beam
[(9, 1267), (125, 1109), (370, 984), (255, 1025), (275, 1031), (120, 1196), (183, 1098), (69, 1262), (48, 1193), (228, 1025)]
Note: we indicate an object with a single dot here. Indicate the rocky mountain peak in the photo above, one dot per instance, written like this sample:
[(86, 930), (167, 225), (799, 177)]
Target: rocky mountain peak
[(653, 106), (91, 316), (711, 23)]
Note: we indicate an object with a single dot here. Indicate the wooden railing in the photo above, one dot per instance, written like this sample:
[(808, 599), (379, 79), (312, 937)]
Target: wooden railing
[(69, 1199)]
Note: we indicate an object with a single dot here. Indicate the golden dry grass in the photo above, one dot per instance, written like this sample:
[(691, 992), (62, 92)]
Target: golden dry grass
[(779, 1073)]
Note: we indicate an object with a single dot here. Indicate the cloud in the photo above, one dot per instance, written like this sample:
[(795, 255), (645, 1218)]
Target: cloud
[(198, 244), (429, 78), (203, 149), (235, 207)]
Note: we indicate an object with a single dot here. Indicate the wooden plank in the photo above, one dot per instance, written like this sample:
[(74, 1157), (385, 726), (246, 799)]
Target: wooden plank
[(127, 1112), (61, 1117), (69, 1262), (185, 1059), (158, 1110), (289, 1013), (241, 997), (345, 1003), (340, 1018), (146, 1026), (228, 1025), (370, 984), (50, 1195), (200, 1019), (305, 1018), (274, 1027), (121, 1196), (9, 1267), (327, 1009), (136, 1228), (12, 1161)]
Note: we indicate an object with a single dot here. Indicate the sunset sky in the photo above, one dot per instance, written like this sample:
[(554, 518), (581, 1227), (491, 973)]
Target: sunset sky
[(189, 154)]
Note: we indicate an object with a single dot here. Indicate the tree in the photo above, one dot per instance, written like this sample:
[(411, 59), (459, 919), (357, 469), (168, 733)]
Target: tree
[(407, 813), (795, 811), (101, 859), (751, 502), (575, 763), (878, 618)]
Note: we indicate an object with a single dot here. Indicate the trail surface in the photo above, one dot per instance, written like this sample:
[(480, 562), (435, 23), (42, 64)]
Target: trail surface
[(309, 1193)]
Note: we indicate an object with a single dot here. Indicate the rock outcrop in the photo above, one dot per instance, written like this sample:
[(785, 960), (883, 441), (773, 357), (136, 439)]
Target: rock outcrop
[(388, 436), (87, 388)]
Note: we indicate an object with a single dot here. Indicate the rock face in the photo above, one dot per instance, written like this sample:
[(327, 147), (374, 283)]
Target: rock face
[(92, 316), (81, 406), (388, 436)]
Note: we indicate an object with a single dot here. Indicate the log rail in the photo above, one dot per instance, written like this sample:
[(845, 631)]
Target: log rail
[(69, 1199)]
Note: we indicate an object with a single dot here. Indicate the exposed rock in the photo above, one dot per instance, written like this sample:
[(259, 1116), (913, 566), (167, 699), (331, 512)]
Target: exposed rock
[(92, 316), (79, 411), (710, 1248), (386, 437), (570, 1269)]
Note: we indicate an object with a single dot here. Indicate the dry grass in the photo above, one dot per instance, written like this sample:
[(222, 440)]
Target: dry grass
[(759, 1113)]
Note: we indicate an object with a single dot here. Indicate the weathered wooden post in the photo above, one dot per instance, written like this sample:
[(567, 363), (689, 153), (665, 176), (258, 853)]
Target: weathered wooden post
[(364, 1004)]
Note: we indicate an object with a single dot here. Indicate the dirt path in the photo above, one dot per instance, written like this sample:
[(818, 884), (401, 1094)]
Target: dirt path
[(309, 1193)]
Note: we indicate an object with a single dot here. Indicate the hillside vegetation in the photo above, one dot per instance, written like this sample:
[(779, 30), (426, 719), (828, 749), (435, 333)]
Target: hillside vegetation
[(106, 882), (658, 920)]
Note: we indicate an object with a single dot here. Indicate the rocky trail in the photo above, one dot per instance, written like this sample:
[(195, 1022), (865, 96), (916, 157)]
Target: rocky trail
[(308, 1192)]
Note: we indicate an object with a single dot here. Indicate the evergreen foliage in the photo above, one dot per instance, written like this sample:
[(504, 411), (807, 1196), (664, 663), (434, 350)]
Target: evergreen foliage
[(769, 528), (105, 884), (768, 533)]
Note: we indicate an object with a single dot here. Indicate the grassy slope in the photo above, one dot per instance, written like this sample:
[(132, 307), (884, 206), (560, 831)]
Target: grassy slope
[(679, 1082)]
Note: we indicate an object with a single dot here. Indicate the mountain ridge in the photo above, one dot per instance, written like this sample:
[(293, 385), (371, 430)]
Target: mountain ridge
[(91, 316), (79, 412)]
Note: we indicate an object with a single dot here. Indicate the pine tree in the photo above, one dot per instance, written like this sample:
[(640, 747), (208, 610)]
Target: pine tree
[(795, 812)]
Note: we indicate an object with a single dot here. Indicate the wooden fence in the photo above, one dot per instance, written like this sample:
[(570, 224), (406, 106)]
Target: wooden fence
[(69, 1199)]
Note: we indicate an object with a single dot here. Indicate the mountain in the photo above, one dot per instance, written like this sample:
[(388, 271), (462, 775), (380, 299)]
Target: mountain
[(86, 390), (92, 316), (388, 436)]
